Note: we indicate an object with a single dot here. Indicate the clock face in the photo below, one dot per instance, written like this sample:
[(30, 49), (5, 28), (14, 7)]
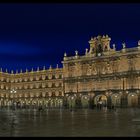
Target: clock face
[(99, 54)]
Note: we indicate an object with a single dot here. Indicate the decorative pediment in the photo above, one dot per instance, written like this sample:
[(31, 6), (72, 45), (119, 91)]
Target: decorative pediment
[(100, 45)]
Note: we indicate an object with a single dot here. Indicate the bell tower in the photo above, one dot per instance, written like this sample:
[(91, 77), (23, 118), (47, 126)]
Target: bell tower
[(99, 45)]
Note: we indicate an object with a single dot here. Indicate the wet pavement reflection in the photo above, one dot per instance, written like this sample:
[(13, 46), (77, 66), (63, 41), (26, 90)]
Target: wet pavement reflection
[(64, 122)]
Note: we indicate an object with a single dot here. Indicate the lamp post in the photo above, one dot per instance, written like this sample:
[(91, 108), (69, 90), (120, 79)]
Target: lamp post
[(13, 91), (72, 101), (86, 101)]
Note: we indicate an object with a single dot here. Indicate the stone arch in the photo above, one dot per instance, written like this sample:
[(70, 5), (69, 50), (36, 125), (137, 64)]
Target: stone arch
[(40, 102), (22, 103), (9, 103), (85, 101), (78, 101), (43, 101), (102, 98), (28, 101), (46, 102), (31, 101), (52, 102), (1, 102), (65, 101), (124, 100), (34, 102), (71, 101), (132, 99), (4, 102), (116, 99), (58, 102)]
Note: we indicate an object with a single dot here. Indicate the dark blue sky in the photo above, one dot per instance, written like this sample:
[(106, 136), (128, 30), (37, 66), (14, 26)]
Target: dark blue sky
[(33, 35)]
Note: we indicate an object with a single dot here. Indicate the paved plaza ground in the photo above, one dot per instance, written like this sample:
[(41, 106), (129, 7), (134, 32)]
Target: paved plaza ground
[(65, 122)]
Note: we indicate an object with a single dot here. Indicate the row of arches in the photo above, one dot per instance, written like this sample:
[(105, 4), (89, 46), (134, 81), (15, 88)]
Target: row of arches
[(71, 101), (117, 100), (33, 103)]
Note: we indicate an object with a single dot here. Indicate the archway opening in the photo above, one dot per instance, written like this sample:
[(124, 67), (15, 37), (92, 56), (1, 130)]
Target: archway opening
[(71, 101), (116, 100), (85, 101), (132, 100), (100, 99)]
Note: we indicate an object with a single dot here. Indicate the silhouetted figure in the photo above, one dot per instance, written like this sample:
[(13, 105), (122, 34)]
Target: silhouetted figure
[(40, 108)]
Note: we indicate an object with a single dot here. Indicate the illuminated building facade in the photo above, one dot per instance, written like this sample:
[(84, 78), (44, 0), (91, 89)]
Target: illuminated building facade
[(103, 75), (35, 88)]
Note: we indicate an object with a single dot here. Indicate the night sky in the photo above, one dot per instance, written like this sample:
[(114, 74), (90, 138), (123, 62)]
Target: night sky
[(33, 35)]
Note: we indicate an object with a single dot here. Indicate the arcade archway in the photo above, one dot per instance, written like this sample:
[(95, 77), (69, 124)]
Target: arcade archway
[(132, 100), (116, 99), (71, 101), (85, 101), (100, 99)]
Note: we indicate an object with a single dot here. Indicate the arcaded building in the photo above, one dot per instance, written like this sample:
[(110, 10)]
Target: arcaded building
[(102, 75), (34, 88)]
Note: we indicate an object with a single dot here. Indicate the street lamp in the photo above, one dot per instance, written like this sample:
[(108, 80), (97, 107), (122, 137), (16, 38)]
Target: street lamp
[(71, 101), (66, 95), (13, 91)]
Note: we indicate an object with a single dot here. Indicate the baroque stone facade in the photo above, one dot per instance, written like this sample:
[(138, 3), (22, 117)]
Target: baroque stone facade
[(102, 75)]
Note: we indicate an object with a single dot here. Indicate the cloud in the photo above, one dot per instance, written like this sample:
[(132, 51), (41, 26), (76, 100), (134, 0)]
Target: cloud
[(8, 48)]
